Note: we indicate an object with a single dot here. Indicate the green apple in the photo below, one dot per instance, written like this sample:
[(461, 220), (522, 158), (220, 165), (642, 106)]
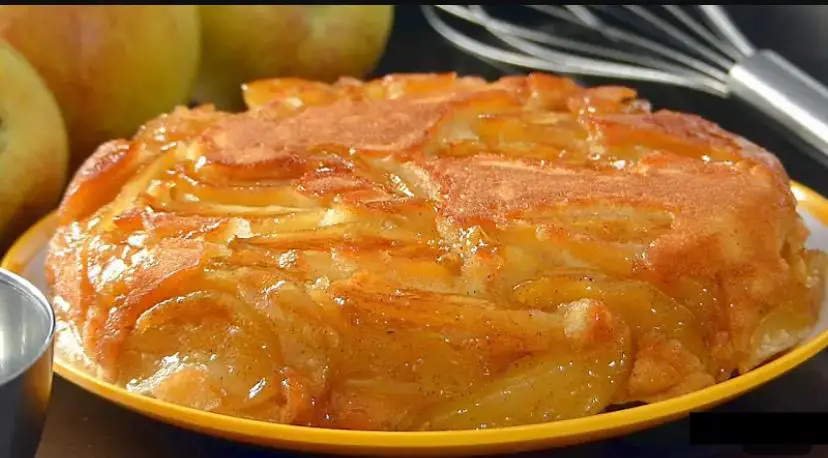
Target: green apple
[(111, 68), (320, 42), (33, 146)]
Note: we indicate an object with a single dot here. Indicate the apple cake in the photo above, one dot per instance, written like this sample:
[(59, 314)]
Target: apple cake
[(429, 252)]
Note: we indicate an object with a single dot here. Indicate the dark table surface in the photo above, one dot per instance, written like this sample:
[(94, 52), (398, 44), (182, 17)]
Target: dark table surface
[(83, 426)]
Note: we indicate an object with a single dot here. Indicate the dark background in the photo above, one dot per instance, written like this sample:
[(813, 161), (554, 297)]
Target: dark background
[(792, 30)]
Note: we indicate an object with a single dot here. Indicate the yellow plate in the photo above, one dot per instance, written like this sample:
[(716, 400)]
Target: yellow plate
[(26, 258)]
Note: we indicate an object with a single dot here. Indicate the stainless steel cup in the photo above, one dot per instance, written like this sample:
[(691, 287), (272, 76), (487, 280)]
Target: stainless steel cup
[(27, 326)]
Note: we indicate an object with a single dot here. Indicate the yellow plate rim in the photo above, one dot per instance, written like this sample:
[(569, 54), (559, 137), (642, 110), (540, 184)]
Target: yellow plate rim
[(469, 442)]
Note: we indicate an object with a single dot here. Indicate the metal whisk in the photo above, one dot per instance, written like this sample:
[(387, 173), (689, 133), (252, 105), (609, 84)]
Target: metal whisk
[(695, 47)]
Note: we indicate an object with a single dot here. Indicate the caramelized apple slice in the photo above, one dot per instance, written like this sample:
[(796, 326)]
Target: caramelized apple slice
[(641, 305), (792, 320), (210, 344), (573, 381), (436, 347)]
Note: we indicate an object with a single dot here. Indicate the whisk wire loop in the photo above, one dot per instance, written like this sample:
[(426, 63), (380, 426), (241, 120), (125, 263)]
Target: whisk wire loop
[(623, 54), (722, 46), (678, 35), (720, 21)]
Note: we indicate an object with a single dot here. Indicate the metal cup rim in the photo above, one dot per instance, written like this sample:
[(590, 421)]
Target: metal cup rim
[(25, 287)]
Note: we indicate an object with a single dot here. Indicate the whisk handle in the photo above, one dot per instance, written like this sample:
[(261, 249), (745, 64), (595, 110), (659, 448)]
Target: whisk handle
[(787, 94)]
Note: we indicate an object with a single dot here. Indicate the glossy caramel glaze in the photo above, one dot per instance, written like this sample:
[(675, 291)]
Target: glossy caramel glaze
[(430, 252)]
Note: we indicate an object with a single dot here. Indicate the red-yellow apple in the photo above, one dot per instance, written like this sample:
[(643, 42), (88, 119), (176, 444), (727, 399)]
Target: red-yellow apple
[(33, 147), (242, 43), (111, 68)]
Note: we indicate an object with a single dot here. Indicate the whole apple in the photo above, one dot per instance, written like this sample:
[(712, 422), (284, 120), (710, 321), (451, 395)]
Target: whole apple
[(111, 68), (242, 43), (33, 146)]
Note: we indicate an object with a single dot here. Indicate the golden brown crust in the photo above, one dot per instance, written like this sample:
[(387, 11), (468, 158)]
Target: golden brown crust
[(387, 254)]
